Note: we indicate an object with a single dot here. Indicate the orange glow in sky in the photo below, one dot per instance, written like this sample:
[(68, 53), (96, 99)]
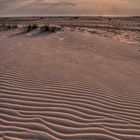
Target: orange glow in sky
[(70, 7)]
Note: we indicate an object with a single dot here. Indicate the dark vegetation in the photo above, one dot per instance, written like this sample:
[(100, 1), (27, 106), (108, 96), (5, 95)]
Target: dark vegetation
[(30, 27), (6, 27)]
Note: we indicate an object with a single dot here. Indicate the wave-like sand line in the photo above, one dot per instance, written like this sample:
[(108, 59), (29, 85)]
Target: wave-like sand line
[(48, 90)]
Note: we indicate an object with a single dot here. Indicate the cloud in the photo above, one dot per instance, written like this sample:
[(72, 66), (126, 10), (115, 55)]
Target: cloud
[(69, 7)]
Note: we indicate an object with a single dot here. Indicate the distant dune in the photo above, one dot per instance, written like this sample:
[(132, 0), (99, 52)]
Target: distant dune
[(73, 84)]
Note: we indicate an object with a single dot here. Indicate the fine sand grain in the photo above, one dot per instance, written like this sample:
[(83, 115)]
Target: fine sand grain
[(69, 85)]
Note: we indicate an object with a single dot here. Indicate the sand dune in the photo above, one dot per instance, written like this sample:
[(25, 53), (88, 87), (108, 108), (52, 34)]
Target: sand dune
[(69, 85)]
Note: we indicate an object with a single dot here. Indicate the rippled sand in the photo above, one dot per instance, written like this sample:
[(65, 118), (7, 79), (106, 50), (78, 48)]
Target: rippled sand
[(71, 85)]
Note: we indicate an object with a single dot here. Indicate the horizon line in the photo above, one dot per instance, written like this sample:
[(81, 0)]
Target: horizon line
[(8, 16)]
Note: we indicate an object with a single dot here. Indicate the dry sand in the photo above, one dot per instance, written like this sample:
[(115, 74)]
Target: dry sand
[(70, 85)]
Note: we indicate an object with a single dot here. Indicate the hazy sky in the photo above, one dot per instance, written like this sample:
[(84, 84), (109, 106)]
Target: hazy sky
[(69, 7)]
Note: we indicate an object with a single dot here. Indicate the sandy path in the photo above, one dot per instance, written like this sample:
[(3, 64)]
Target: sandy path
[(68, 85)]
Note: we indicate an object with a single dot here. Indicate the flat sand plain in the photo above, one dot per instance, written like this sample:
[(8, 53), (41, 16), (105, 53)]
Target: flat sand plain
[(80, 83)]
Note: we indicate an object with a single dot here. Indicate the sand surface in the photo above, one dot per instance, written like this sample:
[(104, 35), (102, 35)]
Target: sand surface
[(70, 85)]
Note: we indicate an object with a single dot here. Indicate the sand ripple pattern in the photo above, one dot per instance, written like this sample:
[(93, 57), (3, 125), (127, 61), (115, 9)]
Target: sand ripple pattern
[(56, 103)]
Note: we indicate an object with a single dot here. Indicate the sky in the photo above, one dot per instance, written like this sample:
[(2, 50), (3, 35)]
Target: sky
[(70, 7)]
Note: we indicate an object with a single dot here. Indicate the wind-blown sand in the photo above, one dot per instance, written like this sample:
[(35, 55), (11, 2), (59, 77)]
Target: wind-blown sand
[(69, 85)]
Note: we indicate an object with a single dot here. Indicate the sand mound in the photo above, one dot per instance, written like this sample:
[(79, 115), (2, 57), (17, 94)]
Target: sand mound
[(68, 85)]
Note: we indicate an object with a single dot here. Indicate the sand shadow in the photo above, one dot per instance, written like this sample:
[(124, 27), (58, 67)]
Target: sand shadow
[(18, 34), (43, 33), (34, 33), (40, 31)]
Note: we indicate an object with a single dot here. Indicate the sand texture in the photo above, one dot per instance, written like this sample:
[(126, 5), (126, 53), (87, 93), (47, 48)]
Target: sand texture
[(74, 84)]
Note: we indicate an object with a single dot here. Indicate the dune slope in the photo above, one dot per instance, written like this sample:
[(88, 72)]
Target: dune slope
[(68, 85)]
